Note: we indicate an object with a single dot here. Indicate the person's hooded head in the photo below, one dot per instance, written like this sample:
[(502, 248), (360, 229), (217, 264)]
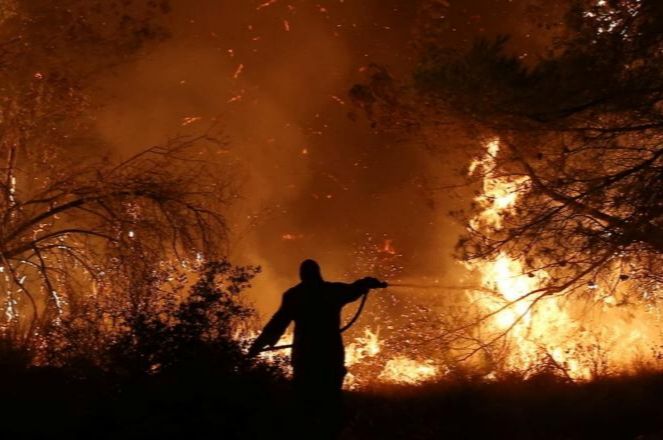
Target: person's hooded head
[(309, 272)]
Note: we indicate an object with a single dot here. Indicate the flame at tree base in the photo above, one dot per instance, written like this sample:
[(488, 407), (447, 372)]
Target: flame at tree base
[(577, 336), (579, 339)]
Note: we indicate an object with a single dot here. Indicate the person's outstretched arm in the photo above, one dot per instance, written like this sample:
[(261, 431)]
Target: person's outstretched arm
[(274, 329), (354, 291)]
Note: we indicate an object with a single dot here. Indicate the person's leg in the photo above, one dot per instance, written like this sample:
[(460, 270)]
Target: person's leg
[(334, 409), (307, 408), (320, 409)]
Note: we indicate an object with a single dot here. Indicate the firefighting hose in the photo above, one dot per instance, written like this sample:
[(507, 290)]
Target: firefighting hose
[(360, 309)]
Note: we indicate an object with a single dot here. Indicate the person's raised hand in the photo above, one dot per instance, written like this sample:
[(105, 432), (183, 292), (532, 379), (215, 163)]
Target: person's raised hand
[(374, 283)]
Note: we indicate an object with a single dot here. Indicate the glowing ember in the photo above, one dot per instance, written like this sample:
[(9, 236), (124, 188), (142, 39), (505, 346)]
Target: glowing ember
[(337, 99), (235, 98), (266, 4), (388, 247), (238, 71), (291, 237), (190, 120)]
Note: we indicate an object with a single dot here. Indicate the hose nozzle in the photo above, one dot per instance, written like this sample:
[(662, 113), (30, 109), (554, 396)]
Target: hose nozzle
[(373, 283)]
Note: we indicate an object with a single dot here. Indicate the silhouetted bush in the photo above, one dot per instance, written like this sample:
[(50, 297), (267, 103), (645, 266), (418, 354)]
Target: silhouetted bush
[(202, 324), (171, 368)]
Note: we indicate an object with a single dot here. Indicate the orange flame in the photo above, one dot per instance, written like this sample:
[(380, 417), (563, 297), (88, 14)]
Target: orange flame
[(579, 339)]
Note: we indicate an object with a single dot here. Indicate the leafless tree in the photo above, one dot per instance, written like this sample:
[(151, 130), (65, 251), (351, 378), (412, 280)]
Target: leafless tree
[(79, 225), (94, 224)]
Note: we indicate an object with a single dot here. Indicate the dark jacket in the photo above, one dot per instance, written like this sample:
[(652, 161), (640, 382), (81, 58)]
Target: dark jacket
[(316, 310)]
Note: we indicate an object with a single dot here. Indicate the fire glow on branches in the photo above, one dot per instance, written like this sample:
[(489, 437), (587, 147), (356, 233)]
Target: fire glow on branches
[(578, 336)]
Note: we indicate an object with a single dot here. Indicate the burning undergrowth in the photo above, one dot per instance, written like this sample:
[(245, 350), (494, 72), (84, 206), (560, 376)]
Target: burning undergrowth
[(498, 320)]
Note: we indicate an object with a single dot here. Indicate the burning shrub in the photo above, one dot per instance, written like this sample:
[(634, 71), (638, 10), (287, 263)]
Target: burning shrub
[(206, 319), (164, 330)]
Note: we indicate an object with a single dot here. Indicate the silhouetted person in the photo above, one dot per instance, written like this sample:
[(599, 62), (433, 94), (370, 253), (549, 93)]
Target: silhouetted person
[(318, 355)]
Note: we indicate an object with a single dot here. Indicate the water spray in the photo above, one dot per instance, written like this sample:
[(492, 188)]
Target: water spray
[(431, 286), (414, 285)]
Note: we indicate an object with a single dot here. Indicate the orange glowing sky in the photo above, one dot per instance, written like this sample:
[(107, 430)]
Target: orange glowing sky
[(275, 75)]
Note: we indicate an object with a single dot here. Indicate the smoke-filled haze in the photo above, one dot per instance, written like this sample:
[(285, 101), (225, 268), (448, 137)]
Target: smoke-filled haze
[(314, 182)]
